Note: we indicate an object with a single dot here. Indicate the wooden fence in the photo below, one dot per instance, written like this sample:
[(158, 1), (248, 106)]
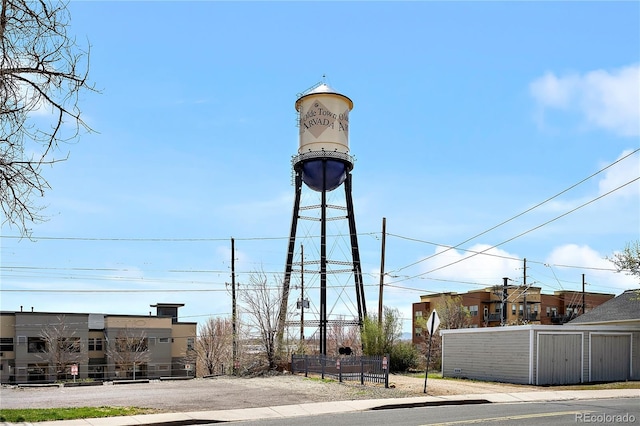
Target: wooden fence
[(363, 368)]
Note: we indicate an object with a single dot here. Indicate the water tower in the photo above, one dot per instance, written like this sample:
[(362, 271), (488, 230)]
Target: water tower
[(323, 164)]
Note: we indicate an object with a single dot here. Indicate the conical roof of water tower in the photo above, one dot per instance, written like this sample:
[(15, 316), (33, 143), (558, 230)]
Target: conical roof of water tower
[(324, 88)]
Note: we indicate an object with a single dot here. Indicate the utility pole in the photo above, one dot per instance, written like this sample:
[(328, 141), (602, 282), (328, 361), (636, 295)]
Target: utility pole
[(525, 314), (233, 309), (505, 295), (301, 294), (382, 251), (583, 305)]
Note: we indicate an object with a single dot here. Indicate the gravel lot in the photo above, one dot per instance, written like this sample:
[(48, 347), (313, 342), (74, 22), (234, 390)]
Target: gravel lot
[(231, 393)]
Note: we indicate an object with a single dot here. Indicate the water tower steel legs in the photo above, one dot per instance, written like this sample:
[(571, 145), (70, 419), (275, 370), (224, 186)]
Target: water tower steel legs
[(323, 262), (355, 252), (357, 267), (286, 284)]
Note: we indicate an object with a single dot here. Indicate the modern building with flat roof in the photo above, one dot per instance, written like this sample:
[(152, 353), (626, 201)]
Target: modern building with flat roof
[(49, 346), (510, 305)]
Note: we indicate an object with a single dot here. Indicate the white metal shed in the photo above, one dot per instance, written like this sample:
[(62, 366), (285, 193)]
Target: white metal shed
[(543, 354)]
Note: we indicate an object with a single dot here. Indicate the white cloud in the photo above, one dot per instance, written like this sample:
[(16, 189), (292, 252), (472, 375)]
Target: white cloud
[(600, 277), (606, 99), (486, 269), (620, 174)]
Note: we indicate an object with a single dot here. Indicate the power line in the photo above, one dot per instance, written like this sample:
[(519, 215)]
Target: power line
[(522, 233), (520, 214), (133, 239), (495, 255)]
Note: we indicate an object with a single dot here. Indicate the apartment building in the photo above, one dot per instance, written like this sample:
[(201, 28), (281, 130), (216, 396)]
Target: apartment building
[(509, 305), (49, 346)]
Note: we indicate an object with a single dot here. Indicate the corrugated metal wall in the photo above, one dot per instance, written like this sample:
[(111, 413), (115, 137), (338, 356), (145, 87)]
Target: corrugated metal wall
[(499, 355), (542, 354), (559, 359), (610, 357)]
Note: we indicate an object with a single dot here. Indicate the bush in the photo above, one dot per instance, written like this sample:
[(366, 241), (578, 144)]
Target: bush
[(404, 356)]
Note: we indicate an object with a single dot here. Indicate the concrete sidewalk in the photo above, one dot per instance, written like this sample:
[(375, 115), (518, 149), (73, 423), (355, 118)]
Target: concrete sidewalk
[(318, 408)]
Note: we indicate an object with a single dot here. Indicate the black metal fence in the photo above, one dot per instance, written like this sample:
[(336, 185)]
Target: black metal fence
[(373, 369)]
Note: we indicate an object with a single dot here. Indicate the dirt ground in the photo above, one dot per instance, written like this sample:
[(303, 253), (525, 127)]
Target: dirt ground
[(224, 393)]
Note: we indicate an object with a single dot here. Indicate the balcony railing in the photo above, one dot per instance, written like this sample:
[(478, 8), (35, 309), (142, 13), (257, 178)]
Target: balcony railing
[(561, 319)]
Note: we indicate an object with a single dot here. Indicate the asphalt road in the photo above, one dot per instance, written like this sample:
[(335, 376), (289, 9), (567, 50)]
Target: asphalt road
[(610, 411)]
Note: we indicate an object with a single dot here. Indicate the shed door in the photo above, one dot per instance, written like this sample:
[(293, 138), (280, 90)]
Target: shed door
[(559, 359), (610, 357)]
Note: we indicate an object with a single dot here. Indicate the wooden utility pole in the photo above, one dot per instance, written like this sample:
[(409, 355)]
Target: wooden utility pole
[(505, 295), (583, 305), (234, 317), (301, 294), (384, 239), (525, 313)]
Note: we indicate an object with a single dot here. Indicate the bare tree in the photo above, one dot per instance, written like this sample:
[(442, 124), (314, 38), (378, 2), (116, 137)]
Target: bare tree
[(128, 351), (262, 303), (213, 345), (342, 335), (61, 347), (42, 73), (452, 313)]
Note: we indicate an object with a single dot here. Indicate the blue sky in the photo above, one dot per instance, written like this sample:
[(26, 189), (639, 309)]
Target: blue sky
[(466, 114)]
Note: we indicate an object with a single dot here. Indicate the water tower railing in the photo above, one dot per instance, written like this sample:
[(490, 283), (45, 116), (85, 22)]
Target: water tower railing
[(312, 155)]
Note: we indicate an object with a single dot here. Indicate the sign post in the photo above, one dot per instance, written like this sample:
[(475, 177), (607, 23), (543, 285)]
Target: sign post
[(74, 371), (432, 325)]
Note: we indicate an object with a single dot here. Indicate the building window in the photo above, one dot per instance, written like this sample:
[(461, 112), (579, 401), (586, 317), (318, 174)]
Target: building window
[(6, 344), (473, 310), (191, 343), (95, 343), (36, 345), (132, 344), (513, 308), (96, 371), (418, 331), (548, 311), (163, 340), (418, 314)]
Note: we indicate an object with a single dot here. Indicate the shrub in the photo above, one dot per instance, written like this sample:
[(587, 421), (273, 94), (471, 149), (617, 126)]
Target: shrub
[(404, 356)]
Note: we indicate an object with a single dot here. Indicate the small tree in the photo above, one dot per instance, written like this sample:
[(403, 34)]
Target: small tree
[(262, 303), (628, 260), (378, 337), (452, 315), (213, 345), (384, 338), (128, 351), (61, 347)]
